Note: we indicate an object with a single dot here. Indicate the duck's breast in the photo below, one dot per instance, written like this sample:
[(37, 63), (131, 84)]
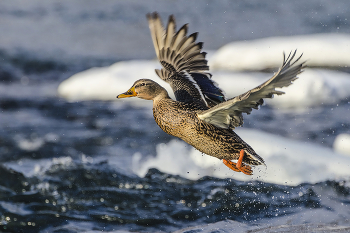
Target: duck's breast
[(175, 118)]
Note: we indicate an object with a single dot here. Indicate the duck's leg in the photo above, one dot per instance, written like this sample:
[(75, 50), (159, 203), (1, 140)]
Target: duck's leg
[(246, 169), (231, 165), (239, 166)]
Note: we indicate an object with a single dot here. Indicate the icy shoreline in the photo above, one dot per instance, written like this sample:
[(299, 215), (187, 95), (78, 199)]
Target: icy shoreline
[(289, 162), (314, 86), (320, 50)]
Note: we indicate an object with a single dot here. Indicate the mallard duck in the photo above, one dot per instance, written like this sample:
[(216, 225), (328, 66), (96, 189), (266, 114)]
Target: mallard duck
[(201, 115)]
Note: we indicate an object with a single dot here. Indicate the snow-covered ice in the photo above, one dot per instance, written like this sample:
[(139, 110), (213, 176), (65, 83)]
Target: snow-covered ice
[(288, 162), (105, 83), (314, 86), (320, 50), (342, 144)]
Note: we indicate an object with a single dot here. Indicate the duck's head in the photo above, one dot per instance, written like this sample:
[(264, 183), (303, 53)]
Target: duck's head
[(145, 89)]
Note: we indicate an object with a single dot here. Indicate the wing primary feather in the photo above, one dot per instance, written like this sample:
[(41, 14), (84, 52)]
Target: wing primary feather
[(179, 36), (187, 42), (192, 48), (171, 28)]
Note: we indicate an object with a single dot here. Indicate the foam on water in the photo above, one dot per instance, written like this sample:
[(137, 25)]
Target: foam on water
[(37, 167), (314, 87), (284, 224), (288, 162), (31, 167), (320, 50), (30, 145)]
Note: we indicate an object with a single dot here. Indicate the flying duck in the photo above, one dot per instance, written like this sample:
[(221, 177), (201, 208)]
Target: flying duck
[(201, 115)]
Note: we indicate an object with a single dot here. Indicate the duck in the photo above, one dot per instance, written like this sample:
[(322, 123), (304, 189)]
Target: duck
[(201, 115)]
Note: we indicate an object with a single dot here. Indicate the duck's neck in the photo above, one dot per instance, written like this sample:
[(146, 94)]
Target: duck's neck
[(161, 96)]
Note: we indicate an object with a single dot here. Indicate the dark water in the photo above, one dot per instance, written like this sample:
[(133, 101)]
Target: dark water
[(81, 187), (100, 195), (66, 166)]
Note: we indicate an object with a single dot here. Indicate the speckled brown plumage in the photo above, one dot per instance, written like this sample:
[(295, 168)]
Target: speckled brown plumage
[(180, 120), (201, 115)]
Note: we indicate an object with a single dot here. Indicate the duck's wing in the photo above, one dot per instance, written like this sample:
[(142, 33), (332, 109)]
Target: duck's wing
[(184, 65), (229, 114)]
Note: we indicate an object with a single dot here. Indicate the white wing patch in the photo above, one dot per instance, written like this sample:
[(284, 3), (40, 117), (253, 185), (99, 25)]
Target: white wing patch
[(189, 77)]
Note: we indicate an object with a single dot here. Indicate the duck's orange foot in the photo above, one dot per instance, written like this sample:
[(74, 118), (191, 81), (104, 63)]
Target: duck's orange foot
[(231, 165), (239, 166)]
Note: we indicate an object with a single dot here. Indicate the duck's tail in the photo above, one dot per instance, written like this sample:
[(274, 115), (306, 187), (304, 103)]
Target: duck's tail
[(252, 157)]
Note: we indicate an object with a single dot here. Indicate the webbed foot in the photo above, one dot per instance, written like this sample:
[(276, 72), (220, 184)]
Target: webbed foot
[(239, 166)]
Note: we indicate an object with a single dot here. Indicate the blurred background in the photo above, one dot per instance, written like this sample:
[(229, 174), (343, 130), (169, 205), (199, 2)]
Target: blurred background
[(75, 159)]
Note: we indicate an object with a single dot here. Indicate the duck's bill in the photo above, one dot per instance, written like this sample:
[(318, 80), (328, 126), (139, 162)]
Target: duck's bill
[(130, 93)]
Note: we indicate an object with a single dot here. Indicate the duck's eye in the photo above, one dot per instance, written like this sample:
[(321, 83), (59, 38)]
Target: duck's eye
[(143, 84)]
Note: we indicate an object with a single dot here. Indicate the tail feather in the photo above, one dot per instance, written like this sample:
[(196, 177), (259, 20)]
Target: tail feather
[(253, 158)]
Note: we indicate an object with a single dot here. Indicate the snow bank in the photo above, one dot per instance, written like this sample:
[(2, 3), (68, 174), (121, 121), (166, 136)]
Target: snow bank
[(320, 50), (314, 87), (105, 83), (288, 162), (342, 144)]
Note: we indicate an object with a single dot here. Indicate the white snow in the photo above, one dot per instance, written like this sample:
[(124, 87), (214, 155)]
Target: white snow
[(288, 162), (314, 86), (105, 83), (342, 144), (320, 50)]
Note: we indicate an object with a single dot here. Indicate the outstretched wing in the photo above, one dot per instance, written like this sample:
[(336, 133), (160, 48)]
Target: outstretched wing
[(229, 114), (184, 65)]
